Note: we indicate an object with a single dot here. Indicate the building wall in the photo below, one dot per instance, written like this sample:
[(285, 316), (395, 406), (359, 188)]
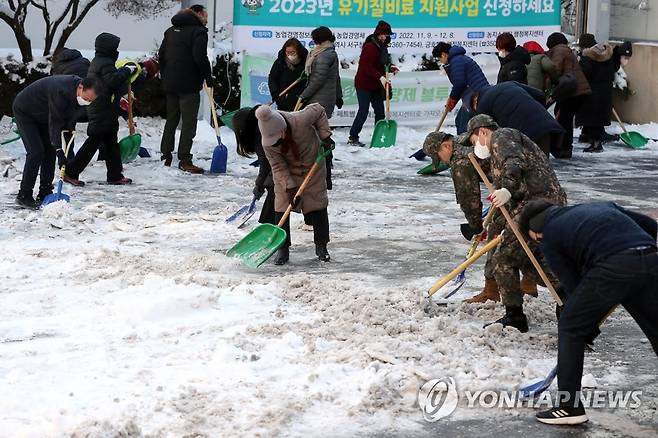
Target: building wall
[(641, 108), (630, 20)]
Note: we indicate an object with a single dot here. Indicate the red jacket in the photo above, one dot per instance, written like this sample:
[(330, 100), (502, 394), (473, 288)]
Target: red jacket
[(370, 68)]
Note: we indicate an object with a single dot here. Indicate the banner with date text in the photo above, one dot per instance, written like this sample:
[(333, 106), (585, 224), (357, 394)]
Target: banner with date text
[(262, 26)]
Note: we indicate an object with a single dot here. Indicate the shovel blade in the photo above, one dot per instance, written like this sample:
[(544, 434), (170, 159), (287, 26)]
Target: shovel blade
[(432, 169), (259, 245), (54, 197), (634, 139), (129, 147), (537, 388), (385, 134)]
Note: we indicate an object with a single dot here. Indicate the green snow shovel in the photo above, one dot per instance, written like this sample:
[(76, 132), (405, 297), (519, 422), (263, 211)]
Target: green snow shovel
[(264, 240), (433, 169), (632, 138), (129, 146), (385, 130)]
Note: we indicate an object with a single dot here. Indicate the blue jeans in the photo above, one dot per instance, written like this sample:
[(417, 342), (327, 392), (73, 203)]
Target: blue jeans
[(461, 121), (367, 98), (629, 278)]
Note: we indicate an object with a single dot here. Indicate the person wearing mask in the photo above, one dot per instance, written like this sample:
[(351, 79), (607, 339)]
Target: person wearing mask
[(288, 67), (596, 110), (604, 256), (541, 70), (513, 59), (249, 142), (42, 111), (291, 142), (522, 107), (571, 91), (466, 78), (323, 71), (103, 113), (370, 80), (184, 67)]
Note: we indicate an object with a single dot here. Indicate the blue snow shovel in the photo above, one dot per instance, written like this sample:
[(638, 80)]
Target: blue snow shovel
[(220, 154), (59, 196), (244, 213)]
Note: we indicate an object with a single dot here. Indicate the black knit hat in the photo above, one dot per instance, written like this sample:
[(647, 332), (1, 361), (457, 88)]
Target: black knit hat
[(626, 49), (322, 34), (556, 38), (586, 41), (533, 216), (383, 28)]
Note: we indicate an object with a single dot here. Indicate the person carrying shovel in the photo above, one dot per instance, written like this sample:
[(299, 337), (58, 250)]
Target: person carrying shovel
[(291, 141)]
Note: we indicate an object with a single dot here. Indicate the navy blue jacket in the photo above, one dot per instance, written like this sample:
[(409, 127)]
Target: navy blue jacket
[(576, 238), (70, 62), (51, 101), (518, 106), (464, 74)]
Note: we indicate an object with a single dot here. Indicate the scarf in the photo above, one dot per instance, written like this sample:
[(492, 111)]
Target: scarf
[(314, 54)]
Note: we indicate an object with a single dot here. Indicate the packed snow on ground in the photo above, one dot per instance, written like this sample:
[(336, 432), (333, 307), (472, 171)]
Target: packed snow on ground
[(120, 315)]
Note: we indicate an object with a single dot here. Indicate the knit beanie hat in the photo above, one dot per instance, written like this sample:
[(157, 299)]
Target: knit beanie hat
[(533, 47), (271, 124), (383, 28), (626, 49), (586, 41), (556, 38)]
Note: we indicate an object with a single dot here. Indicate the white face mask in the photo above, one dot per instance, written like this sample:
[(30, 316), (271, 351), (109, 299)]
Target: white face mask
[(481, 151), (293, 59), (501, 53), (624, 60), (83, 102)]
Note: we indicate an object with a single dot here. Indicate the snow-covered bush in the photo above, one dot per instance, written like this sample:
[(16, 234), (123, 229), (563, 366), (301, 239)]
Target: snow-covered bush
[(14, 76)]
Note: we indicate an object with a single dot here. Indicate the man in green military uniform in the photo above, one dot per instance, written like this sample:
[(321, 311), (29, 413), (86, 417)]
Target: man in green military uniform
[(521, 173)]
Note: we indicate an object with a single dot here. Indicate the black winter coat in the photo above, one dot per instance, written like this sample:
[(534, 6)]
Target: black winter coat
[(51, 101), (70, 62), (599, 69), (183, 55), (518, 106), (280, 78), (513, 67), (576, 238), (103, 113)]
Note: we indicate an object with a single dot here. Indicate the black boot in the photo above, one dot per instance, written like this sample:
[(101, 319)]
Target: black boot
[(596, 146), (607, 138), (43, 192), (282, 256), (26, 201), (514, 317), (321, 252)]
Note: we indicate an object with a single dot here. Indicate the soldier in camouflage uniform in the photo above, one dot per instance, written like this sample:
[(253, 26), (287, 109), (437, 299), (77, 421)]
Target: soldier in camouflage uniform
[(521, 173), (441, 146)]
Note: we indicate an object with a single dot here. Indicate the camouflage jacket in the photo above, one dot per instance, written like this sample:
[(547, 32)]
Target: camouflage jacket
[(518, 165), (467, 181)]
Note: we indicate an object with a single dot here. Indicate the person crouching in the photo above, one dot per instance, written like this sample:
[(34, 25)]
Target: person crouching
[(291, 142)]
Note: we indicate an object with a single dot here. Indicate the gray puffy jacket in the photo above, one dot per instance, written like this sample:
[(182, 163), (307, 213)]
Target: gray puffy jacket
[(324, 83)]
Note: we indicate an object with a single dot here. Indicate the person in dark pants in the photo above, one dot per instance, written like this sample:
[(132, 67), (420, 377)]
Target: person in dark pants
[(103, 114), (466, 78), (291, 142), (288, 67), (249, 141), (603, 255), (568, 103), (370, 79), (42, 111), (184, 66)]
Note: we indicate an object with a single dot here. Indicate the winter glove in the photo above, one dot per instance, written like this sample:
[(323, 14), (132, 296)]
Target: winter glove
[(469, 232), (394, 69), (61, 157), (339, 103), (131, 66), (292, 198), (328, 143), (258, 191), (500, 197), (452, 102)]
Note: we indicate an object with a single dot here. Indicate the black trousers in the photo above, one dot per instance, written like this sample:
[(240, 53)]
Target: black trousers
[(566, 110), (267, 213), (629, 278), (86, 152), (595, 133), (365, 99), (551, 142), (40, 155), (185, 109), (320, 221)]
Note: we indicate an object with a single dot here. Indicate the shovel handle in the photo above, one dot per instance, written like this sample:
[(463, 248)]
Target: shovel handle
[(442, 119), (517, 233), (476, 239), (316, 165), (291, 86), (388, 96), (209, 91), (131, 122), (66, 147), (465, 264), (623, 128), (298, 105)]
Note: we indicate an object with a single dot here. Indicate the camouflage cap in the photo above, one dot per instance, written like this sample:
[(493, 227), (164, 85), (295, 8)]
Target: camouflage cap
[(433, 143), (481, 121)]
